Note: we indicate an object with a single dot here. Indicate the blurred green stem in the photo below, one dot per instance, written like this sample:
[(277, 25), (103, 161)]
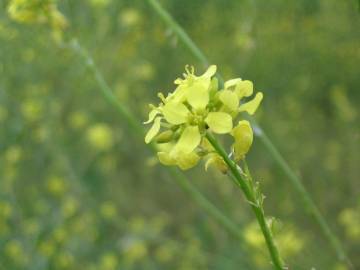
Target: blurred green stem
[(297, 183), (308, 202), (138, 130), (255, 202)]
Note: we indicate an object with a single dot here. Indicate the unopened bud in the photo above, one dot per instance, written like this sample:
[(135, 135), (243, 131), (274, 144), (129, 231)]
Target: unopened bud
[(164, 137)]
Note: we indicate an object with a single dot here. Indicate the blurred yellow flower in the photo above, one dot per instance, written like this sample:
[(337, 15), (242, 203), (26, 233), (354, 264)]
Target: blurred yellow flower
[(78, 120), (69, 206), (56, 185), (129, 17), (108, 261), (288, 240), (100, 137), (5, 209), (134, 250), (36, 11), (350, 219), (13, 154), (31, 109), (60, 234), (108, 210), (15, 251), (40, 12), (253, 235), (100, 3), (144, 71)]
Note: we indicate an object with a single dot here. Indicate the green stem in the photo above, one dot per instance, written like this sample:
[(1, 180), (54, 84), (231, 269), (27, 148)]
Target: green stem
[(297, 183), (166, 17), (251, 197), (138, 130), (309, 204)]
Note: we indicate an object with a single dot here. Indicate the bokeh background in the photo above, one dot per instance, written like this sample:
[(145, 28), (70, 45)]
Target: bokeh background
[(79, 191)]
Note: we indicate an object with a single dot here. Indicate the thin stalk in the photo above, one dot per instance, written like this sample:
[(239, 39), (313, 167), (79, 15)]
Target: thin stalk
[(251, 198), (270, 147), (309, 204), (179, 31), (138, 131)]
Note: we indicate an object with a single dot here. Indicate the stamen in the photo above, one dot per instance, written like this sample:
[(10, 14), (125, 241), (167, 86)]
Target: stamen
[(161, 96)]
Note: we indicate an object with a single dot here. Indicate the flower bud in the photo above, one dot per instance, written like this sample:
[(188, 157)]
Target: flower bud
[(243, 136), (164, 137)]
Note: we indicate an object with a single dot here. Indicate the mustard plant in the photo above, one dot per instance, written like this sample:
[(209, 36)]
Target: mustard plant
[(46, 12), (308, 203), (184, 125)]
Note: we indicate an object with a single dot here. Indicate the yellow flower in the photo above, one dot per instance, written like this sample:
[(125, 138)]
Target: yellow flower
[(195, 107), (38, 11), (109, 261), (243, 136), (183, 160), (100, 136), (234, 91), (182, 153), (217, 161), (56, 185), (219, 122)]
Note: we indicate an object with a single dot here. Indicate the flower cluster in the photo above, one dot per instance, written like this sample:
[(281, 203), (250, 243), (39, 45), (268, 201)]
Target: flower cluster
[(35, 11), (198, 106), (38, 11)]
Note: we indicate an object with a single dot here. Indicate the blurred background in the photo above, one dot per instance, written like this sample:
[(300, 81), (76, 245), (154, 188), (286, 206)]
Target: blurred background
[(79, 191)]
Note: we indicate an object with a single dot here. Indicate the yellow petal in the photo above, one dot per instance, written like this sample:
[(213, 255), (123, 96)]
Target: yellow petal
[(229, 99), (179, 95), (164, 137), (206, 145), (152, 114), (244, 89), (231, 83), (178, 81), (198, 95), (219, 122), (210, 72), (189, 140), (175, 113), (187, 161), (166, 159), (213, 88), (153, 130), (217, 161), (252, 105), (243, 135), (209, 162)]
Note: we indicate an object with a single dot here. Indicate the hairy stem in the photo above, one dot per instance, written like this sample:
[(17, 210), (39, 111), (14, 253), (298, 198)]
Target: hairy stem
[(253, 200)]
